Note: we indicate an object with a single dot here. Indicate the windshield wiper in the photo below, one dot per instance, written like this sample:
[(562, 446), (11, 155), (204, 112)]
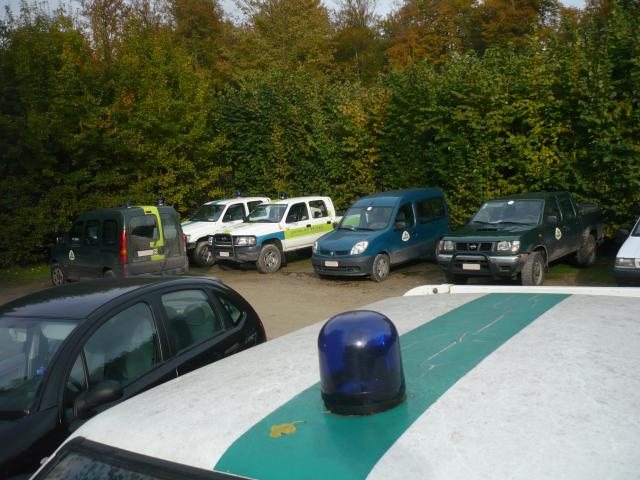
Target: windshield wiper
[(511, 222)]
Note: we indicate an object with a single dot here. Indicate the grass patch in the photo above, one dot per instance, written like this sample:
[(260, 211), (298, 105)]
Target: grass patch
[(600, 273), (31, 273)]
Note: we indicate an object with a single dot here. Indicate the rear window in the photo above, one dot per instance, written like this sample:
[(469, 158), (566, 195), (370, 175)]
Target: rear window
[(430, 209), (92, 232), (109, 232), (143, 231), (75, 235), (318, 209)]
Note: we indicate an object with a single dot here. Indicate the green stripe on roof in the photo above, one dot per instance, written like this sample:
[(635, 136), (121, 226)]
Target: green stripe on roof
[(435, 356)]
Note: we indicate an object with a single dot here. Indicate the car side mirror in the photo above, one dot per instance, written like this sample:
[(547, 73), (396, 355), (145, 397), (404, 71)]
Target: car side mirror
[(399, 226), (552, 220), (105, 392)]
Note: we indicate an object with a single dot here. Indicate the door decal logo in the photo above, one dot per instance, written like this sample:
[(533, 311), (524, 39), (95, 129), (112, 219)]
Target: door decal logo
[(405, 236), (558, 234), (72, 256)]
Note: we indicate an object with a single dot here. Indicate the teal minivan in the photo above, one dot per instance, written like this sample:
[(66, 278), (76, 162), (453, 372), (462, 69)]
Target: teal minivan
[(382, 230)]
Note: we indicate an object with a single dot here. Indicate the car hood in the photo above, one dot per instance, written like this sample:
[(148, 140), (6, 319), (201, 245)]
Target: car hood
[(345, 239), (630, 248), (255, 229), (200, 229), (489, 231)]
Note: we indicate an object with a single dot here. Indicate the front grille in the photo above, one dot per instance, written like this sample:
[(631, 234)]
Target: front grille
[(474, 246), (334, 253), (222, 239)]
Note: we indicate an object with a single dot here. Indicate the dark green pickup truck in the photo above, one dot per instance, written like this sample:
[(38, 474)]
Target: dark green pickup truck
[(517, 236)]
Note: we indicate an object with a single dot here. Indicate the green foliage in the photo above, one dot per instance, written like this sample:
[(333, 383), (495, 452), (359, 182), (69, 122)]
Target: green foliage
[(149, 105)]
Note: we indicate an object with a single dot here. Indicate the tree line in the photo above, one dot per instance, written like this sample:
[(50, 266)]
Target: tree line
[(139, 100)]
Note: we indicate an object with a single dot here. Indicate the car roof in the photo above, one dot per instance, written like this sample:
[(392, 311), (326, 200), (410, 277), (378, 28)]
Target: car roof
[(392, 197), (79, 300), (289, 201), (227, 201), (530, 196), (550, 395)]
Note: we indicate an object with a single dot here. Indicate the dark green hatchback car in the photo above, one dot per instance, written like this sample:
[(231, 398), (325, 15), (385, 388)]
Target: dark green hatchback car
[(120, 242)]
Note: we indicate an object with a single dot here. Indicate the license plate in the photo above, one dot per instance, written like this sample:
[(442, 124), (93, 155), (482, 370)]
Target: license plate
[(223, 254), (145, 253), (471, 266), (330, 263)]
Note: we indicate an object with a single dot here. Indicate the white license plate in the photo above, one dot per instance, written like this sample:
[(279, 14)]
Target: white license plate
[(145, 253), (330, 263), (223, 254), (471, 266)]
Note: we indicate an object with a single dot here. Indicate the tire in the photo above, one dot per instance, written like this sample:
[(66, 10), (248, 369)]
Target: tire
[(456, 279), (586, 255), (270, 259), (202, 255), (533, 271), (57, 275), (380, 268), (108, 274)]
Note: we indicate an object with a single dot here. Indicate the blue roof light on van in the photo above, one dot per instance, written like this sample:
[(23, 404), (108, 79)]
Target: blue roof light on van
[(160, 202), (282, 195), (360, 363), (238, 193)]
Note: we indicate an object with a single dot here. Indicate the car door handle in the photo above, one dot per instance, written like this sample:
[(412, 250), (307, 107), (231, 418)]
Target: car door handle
[(309, 225)]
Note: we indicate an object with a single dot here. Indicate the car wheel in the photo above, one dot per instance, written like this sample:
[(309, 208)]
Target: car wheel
[(456, 279), (270, 259), (108, 274), (57, 275), (202, 255), (533, 271), (586, 255), (380, 268)]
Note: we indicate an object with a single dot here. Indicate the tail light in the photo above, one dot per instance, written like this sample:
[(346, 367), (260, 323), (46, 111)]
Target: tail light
[(184, 244), (123, 247)]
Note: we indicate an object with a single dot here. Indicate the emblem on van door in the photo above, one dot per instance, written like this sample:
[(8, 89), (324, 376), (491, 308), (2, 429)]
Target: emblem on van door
[(72, 256), (405, 236), (558, 233)]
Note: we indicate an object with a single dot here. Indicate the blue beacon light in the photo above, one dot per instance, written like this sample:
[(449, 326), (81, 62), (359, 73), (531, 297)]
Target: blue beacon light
[(360, 363)]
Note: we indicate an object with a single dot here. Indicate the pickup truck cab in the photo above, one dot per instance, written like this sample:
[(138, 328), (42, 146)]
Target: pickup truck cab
[(627, 266), (381, 230), (215, 217), (519, 235), (273, 229)]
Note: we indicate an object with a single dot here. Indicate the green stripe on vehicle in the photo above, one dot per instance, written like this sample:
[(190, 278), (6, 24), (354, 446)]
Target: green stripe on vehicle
[(435, 356), (299, 232)]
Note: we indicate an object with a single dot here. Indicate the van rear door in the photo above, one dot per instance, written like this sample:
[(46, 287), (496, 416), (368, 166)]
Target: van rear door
[(145, 243), (172, 232)]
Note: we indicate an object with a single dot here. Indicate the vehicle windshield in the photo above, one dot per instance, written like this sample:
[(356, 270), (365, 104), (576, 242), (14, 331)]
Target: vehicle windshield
[(208, 213), (267, 213), (26, 348), (366, 218), (513, 212)]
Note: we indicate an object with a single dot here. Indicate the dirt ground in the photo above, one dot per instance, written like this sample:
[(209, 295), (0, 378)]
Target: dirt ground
[(295, 296)]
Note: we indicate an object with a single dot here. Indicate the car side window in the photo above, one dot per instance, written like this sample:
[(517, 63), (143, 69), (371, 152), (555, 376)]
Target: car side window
[(552, 209), (318, 209), (92, 232), (429, 209), (75, 234), (297, 213), (234, 212), (235, 314), (404, 218), (124, 348), (190, 318), (567, 208), (109, 232), (76, 384)]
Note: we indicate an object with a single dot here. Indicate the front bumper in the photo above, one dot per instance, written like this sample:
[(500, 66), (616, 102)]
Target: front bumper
[(342, 266), (627, 275), (482, 265), (235, 253)]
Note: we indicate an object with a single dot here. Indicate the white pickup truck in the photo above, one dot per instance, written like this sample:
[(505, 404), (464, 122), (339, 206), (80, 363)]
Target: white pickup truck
[(273, 229), (215, 217)]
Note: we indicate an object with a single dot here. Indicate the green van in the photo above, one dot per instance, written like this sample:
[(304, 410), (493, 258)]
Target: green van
[(120, 242)]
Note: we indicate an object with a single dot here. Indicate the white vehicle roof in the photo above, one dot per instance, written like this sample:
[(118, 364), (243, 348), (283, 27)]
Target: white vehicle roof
[(289, 201), (500, 384), (227, 201), (631, 246)]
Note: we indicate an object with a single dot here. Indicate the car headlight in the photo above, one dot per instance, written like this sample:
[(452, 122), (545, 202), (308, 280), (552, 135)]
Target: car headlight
[(506, 246), (446, 246), (314, 249), (359, 247), (625, 262), (188, 238), (244, 241)]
